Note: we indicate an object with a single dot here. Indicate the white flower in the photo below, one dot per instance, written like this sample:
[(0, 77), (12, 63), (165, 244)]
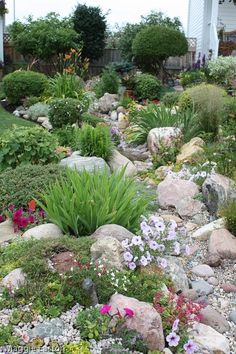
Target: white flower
[(137, 240), (143, 261)]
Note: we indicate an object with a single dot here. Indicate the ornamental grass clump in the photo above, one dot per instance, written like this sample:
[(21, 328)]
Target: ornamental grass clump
[(81, 202)]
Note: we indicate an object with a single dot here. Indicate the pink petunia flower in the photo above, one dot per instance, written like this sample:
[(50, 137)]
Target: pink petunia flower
[(105, 309), (129, 312)]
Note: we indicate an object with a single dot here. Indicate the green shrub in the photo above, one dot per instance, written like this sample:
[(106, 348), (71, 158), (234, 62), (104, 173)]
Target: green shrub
[(65, 86), (73, 348), (222, 70), (229, 213), (170, 99), (68, 136), (207, 101), (92, 200), (20, 185), (191, 78), (229, 111), (21, 84), (147, 87), (38, 110), (185, 101), (27, 145), (95, 142), (109, 83), (65, 111)]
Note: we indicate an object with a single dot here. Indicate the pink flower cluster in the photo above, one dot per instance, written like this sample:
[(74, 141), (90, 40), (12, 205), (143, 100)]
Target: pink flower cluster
[(106, 309), (22, 218)]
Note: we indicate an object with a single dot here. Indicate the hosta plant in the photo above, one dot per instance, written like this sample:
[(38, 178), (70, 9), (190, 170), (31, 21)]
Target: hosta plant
[(82, 202)]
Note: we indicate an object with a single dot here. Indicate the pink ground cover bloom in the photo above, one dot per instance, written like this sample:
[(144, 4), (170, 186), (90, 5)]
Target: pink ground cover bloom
[(105, 309), (129, 312)]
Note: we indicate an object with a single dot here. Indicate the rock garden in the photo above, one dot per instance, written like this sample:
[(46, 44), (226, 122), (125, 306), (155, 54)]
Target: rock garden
[(118, 211)]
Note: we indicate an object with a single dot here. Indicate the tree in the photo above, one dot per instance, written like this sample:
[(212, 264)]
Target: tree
[(90, 23), (153, 45), (129, 31), (43, 38)]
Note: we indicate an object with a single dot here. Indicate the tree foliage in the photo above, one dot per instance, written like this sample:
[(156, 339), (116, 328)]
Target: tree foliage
[(155, 44), (129, 31), (44, 38), (90, 23)]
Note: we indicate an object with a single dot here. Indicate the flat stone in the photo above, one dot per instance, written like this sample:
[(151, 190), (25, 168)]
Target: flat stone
[(171, 217), (43, 231), (214, 319), (113, 230), (232, 316), (209, 339), (7, 231), (190, 150), (229, 288), (190, 294), (203, 270), (202, 287), (46, 329), (109, 251), (118, 162), (177, 273), (14, 279), (143, 166), (190, 226), (213, 260), (217, 189), (171, 191), (223, 243), (81, 163), (146, 320), (139, 153), (213, 281), (64, 261), (204, 232)]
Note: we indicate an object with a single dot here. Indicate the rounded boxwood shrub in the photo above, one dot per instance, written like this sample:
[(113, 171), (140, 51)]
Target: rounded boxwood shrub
[(21, 83), (27, 145), (20, 185), (147, 86), (65, 111)]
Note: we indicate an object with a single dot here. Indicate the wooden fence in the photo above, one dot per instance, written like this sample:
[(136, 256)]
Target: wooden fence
[(14, 60)]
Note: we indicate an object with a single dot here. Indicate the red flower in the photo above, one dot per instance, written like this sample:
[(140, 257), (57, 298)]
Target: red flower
[(2, 218), (31, 219), (32, 205), (23, 222), (105, 309), (129, 312)]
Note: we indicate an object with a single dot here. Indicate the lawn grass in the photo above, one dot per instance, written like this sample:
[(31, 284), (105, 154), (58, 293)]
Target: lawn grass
[(7, 120)]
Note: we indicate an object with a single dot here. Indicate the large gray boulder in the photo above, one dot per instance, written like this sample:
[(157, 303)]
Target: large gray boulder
[(81, 163), (106, 102), (177, 273), (171, 192), (118, 161), (216, 190), (162, 136), (43, 231), (223, 243), (109, 251), (14, 279), (113, 230)]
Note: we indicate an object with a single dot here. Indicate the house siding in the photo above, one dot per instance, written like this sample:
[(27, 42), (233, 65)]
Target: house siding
[(195, 22), (227, 16)]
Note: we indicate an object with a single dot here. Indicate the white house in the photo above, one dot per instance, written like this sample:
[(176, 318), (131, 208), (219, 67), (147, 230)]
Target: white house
[(206, 18)]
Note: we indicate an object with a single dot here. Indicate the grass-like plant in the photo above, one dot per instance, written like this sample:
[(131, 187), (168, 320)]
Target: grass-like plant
[(95, 142), (65, 86), (152, 116), (81, 202)]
